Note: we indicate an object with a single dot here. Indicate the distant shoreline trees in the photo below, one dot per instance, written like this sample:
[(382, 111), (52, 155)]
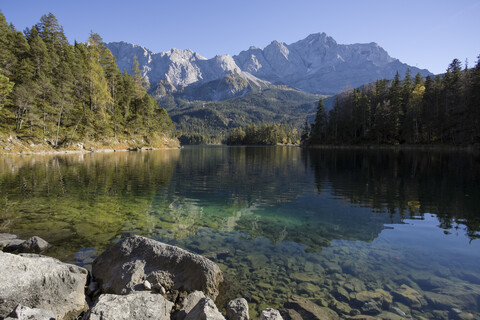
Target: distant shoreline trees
[(263, 134), (56, 93), (444, 109)]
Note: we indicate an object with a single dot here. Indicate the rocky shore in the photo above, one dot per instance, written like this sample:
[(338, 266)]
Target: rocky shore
[(140, 278), (15, 145), (137, 278)]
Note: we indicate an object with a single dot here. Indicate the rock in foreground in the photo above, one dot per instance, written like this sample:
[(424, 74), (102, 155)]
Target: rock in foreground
[(205, 310), (189, 303), (124, 267), (139, 306), (11, 243), (237, 309), (26, 313), (33, 245), (41, 282), (270, 314)]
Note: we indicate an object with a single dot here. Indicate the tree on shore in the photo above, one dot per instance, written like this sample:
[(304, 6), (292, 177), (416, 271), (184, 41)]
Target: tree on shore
[(435, 110), (54, 92)]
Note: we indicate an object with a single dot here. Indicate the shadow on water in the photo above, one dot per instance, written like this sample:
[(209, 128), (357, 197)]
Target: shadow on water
[(410, 183)]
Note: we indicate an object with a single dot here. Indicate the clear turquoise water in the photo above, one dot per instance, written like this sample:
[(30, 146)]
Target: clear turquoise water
[(279, 221)]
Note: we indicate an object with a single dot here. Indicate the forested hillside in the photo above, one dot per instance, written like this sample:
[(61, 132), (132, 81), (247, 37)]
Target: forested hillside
[(444, 109), (200, 122), (57, 94)]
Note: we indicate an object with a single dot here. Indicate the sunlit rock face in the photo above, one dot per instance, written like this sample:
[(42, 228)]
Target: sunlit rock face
[(316, 64)]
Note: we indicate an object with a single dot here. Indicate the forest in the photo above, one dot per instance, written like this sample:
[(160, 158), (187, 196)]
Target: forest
[(55, 93), (263, 134), (443, 109)]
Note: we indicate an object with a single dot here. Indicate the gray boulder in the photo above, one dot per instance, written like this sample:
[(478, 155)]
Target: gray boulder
[(33, 245), (9, 242), (124, 267), (139, 306), (41, 282), (205, 310), (237, 309), (270, 314), (189, 303), (26, 313)]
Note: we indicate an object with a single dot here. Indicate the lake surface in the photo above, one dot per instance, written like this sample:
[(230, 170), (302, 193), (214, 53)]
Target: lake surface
[(359, 231)]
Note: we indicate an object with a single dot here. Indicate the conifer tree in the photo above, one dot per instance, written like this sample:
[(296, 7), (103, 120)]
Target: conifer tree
[(320, 125)]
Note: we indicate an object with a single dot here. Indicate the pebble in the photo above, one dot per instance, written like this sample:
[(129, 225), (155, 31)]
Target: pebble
[(159, 288), (147, 285)]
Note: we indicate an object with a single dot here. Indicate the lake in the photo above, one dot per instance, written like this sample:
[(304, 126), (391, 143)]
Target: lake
[(376, 232)]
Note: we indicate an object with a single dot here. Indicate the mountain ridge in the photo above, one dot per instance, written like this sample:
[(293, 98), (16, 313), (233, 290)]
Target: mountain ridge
[(316, 64)]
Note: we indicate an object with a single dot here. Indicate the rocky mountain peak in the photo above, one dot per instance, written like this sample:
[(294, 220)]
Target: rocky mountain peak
[(316, 64)]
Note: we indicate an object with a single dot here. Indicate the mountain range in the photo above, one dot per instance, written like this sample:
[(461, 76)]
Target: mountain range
[(316, 64)]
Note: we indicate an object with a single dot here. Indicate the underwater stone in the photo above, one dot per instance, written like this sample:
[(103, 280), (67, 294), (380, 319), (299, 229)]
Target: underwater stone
[(441, 314), (291, 314), (307, 309), (386, 315), (409, 296), (399, 311), (308, 288), (362, 317), (341, 294), (332, 267), (371, 308), (341, 307), (382, 298), (257, 260), (442, 301)]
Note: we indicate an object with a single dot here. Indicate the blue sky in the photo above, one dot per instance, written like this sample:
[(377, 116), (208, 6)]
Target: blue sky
[(427, 34)]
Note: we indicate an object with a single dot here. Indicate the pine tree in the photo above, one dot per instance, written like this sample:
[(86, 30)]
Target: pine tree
[(6, 87), (8, 59), (320, 125)]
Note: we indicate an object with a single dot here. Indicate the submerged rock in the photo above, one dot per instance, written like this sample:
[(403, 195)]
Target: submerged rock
[(205, 309), (124, 267), (41, 282), (380, 297), (309, 310), (409, 296), (237, 309), (139, 306)]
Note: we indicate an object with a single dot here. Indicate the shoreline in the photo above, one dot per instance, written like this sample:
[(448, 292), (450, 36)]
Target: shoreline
[(69, 151), (400, 147), (16, 146)]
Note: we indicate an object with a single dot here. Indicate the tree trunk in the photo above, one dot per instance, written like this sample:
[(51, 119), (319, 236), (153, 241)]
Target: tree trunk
[(58, 125)]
